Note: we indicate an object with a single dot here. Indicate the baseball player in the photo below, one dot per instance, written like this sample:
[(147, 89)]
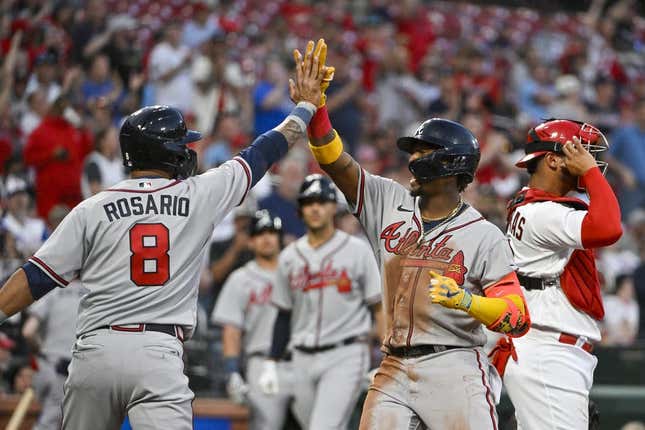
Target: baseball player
[(51, 330), (552, 236), (326, 286), (244, 310), (446, 271), (137, 248)]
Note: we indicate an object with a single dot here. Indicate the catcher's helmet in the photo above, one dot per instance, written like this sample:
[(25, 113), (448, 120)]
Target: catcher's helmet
[(263, 221), (155, 137), (317, 187), (553, 133), (456, 153)]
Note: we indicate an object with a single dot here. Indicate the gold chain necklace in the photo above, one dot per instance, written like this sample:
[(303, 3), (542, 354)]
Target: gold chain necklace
[(445, 220)]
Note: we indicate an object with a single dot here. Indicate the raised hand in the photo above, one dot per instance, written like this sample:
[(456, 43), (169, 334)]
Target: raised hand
[(309, 75), (576, 157)]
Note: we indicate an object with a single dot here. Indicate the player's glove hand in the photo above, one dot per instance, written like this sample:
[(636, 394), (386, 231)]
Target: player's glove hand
[(268, 380), (446, 292), (327, 72), (236, 388)]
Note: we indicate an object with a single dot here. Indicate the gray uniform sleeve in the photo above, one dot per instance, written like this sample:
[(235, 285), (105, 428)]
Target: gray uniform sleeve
[(61, 256), (221, 189), (231, 302), (493, 260), (281, 292)]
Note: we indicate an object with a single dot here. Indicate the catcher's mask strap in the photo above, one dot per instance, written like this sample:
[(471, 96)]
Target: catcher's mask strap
[(543, 145)]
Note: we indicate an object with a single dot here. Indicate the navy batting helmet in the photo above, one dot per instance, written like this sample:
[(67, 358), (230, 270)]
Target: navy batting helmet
[(264, 221), (456, 150), (155, 137), (317, 187)]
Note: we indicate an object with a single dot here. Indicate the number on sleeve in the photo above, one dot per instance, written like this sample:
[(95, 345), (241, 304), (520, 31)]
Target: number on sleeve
[(149, 262)]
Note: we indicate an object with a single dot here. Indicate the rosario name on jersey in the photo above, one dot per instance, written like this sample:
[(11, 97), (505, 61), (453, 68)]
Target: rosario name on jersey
[(468, 249), (328, 289), (137, 248)]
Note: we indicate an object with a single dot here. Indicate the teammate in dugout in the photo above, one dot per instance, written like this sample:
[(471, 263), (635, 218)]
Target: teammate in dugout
[(137, 248), (245, 311), (326, 287), (447, 272), (552, 236)]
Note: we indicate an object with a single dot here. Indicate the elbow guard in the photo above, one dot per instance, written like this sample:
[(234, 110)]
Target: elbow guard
[(514, 321)]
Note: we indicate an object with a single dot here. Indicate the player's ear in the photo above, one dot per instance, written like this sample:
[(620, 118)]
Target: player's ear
[(553, 160)]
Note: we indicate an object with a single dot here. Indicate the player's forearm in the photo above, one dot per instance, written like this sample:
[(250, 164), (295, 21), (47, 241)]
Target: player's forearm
[(231, 337), (601, 226), (504, 315), (327, 148), (271, 146), (504, 308), (231, 347), (15, 295)]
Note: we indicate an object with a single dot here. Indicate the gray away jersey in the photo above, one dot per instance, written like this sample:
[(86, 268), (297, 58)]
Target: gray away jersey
[(57, 313), (138, 247), (468, 249), (245, 302), (328, 289)]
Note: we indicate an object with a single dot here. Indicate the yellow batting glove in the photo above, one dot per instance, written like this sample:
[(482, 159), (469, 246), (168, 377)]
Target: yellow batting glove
[(328, 72), (447, 293)]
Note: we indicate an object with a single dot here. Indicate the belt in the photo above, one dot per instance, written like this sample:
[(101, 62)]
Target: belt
[(315, 349), (419, 350), (531, 283), (579, 341), (171, 329)]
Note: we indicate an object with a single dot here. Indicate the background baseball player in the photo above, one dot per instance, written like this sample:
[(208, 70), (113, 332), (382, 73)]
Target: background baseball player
[(552, 236), (137, 249), (327, 283), (433, 249), (51, 332), (245, 311)]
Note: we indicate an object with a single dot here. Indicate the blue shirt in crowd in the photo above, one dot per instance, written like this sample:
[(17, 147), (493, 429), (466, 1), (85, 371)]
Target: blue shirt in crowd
[(627, 144)]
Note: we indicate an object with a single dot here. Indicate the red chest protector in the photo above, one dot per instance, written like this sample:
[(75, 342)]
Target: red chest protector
[(579, 281)]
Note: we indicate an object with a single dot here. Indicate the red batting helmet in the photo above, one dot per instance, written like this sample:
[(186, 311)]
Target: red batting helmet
[(552, 134)]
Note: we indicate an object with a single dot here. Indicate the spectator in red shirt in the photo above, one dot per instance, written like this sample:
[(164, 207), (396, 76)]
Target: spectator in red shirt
[(56, 150)]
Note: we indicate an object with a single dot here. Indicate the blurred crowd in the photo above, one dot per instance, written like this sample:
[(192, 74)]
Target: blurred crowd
[(72, 69)]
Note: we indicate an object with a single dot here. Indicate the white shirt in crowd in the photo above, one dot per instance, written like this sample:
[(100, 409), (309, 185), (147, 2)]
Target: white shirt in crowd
[(177, 91)]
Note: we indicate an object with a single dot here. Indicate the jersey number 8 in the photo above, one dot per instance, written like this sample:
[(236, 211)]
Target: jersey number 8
[(149, 262)]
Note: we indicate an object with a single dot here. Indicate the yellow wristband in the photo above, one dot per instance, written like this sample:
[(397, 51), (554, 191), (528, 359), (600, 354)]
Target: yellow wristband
[(329, 152)]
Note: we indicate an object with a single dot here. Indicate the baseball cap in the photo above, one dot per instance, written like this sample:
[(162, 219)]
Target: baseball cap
[(15, 185)]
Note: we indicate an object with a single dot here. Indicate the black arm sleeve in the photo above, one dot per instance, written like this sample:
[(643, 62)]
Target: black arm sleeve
[(281, 334)]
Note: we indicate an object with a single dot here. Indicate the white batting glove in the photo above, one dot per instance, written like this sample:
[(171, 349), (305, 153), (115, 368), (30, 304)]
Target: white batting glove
[(236, 388), (268, 380)]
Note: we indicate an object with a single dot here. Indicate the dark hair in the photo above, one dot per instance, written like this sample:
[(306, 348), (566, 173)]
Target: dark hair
[(531, 165), (462, 182)]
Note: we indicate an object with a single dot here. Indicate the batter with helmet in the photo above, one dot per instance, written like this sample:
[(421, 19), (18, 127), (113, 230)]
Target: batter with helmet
[(446, 272), (553, 234), (245, 312), (138, 248), (327, 291)]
